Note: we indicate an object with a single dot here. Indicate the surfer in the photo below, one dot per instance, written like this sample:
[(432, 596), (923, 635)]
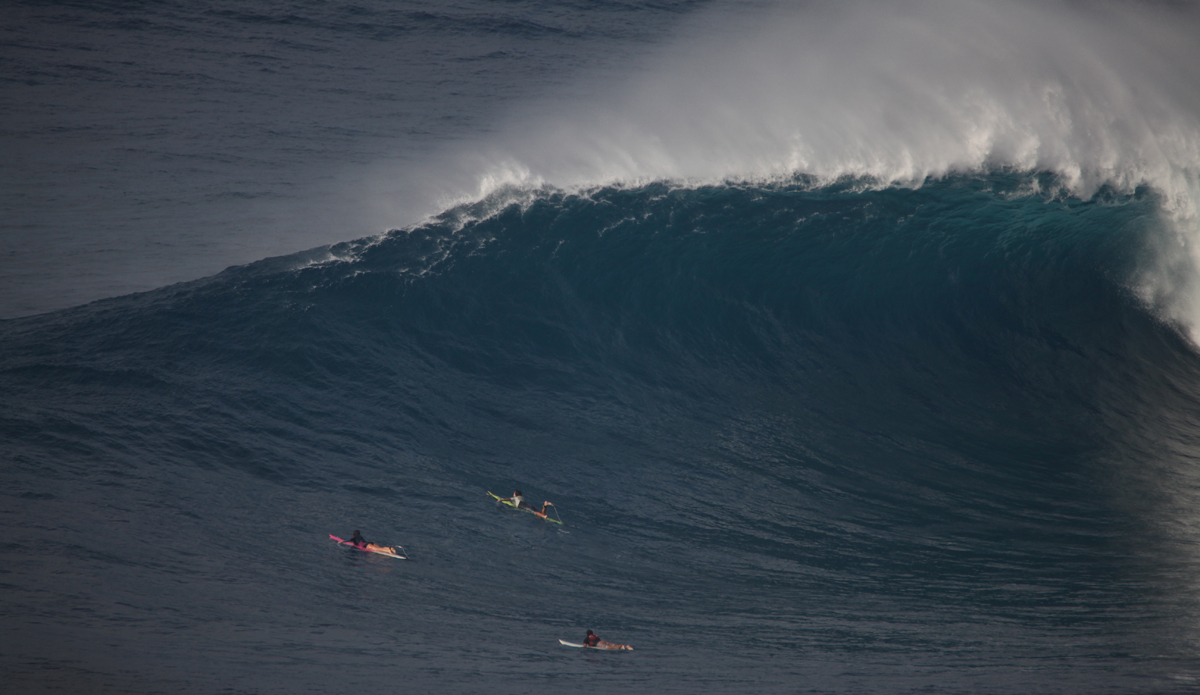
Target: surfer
[(359, 542), (593, 640), (518, 501)]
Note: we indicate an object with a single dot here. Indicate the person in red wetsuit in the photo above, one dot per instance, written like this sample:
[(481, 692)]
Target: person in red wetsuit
[(591, 640)]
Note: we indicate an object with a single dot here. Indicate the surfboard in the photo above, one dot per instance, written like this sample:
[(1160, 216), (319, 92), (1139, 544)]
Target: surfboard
[(507, 502), (610, 648), (368, 550)]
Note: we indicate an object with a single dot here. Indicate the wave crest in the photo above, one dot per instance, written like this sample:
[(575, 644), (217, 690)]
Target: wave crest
[(1103, 95)]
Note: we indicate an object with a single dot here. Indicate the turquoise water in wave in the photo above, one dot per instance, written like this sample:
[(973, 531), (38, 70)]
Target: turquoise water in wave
[(803, 438)]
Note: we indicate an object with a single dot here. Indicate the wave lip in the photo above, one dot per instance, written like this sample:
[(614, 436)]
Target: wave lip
[(1103, 96)]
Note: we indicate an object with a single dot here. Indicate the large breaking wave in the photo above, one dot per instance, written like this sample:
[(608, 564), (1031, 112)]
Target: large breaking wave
[(1102, 95), (872, 335)]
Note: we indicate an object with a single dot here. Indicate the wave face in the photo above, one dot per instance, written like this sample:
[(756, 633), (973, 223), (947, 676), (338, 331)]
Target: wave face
[(1104, 95), (846, 437)]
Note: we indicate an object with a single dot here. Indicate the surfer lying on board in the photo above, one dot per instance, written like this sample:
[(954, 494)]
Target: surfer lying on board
[(359, 542), (593, 640), (518, 501)]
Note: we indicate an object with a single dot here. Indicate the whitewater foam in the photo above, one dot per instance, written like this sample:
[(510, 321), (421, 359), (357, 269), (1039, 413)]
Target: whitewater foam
[(1100, 95), (895, 92)]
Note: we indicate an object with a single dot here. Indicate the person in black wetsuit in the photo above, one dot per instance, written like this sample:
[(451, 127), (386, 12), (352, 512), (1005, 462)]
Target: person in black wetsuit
[(359, 542), (519, 502), (593, 640)]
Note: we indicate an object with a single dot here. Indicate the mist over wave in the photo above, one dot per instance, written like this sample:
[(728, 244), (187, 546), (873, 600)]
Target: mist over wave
[(1099, 94)]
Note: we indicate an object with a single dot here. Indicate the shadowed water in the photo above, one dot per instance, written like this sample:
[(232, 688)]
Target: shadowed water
[(803, 438)]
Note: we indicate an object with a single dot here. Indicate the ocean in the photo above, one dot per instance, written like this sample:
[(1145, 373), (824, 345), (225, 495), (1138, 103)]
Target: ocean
[(855, 345)]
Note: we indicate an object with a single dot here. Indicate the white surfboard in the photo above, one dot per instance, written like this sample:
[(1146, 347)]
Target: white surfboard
[(611, 648)]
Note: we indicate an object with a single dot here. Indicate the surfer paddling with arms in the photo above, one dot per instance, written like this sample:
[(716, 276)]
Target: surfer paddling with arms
[(359, 542), (518, 501), (593, 641)]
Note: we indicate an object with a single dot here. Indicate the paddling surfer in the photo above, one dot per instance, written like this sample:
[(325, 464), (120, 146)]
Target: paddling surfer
[(518, 501), (359, 542), (593, 640)]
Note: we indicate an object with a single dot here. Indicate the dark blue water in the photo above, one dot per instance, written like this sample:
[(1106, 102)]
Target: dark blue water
[(148, 142), (842, 378), (803, 437)]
